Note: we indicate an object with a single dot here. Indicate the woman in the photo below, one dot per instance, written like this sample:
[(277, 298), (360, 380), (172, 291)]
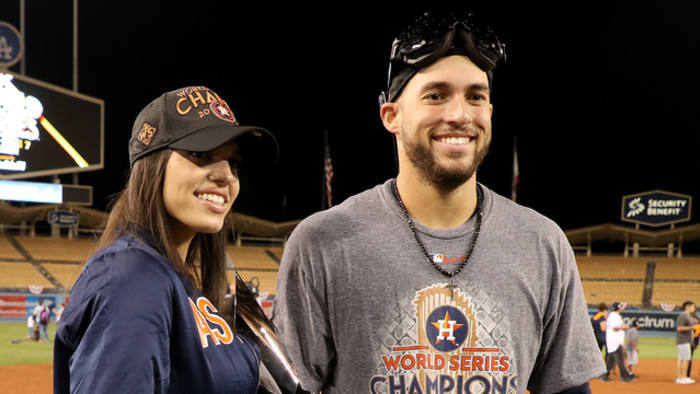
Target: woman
[(148, 314)]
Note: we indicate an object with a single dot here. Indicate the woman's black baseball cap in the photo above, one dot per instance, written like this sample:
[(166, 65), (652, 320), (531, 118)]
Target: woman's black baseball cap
[(196, 119)]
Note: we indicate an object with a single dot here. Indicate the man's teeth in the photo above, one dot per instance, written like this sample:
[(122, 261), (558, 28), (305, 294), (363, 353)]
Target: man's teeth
[(215, 198), (455, 140)]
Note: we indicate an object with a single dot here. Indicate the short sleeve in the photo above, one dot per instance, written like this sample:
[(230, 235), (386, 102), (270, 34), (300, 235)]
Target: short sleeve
[(114, 333), (300, 313), (569, 355)]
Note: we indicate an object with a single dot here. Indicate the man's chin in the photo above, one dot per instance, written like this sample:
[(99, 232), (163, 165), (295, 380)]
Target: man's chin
[(449, 179)]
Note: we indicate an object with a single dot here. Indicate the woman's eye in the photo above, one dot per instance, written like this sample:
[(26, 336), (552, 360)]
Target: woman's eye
[(198, 155), (234, 163)]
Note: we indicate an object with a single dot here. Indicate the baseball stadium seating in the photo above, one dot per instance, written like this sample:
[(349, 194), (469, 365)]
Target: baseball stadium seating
[(7, 251), (674, 269), (676, 281), (608, 278), (20, 275), (57, 249), (255, 261), (604, 278), (610, 291), (610, 267), (251, 257), (65, 273), (277, 252), (64, 260), (675, 292)]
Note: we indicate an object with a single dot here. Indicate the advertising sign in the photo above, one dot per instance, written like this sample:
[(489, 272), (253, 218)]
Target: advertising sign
[(63, 218), (656, 208), (47, 130), (648, 320), (11, 48)]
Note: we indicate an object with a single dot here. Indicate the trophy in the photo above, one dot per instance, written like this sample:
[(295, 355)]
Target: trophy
[(277, 375)]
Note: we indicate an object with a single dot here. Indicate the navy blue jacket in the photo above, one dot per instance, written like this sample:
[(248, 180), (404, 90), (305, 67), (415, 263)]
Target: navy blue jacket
[(134, 325)]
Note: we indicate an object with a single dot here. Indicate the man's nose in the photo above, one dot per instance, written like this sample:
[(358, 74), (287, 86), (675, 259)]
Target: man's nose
[(457, 111)]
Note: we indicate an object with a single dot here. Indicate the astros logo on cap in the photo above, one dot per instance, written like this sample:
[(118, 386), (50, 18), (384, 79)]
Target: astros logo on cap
[(222, 111), (446, 328), (146, 133)]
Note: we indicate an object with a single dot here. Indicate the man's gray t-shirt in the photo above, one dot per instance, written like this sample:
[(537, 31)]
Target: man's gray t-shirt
[(682, 337), (360, 310)]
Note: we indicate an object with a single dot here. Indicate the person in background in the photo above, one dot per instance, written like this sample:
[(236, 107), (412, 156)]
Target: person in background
[(60, 311), (44, 317), (31, 323), (614, 339), (598, 322), (684, 337), (632, 346), (36, 313)]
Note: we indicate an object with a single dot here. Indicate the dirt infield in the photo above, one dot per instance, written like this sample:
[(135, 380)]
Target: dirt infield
[(26, 379), (654, 376)]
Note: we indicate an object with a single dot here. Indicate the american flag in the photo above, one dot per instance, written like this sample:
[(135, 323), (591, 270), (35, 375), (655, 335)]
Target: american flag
[(516, 172), (328, 171)]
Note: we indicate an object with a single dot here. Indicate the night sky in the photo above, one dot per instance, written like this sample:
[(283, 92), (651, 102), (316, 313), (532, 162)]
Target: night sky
[(602, 98)]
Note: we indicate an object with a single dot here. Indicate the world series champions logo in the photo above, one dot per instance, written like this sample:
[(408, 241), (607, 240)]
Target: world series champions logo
[(449, 356)]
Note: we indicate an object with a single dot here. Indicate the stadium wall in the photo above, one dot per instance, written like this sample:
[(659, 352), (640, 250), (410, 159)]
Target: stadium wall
[(16, 306)]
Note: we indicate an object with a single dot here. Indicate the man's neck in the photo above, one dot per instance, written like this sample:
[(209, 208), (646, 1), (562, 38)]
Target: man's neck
[(437, 208)]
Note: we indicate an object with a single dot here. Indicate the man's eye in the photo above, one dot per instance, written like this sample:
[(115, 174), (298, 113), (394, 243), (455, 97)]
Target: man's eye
[(434, 96), (479, 97)]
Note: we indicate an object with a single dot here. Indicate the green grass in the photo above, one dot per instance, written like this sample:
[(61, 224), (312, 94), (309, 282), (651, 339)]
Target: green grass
[(30, 352), (27, 351), (660, 347)]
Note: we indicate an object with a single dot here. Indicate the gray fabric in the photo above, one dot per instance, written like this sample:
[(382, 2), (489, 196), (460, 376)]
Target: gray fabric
[(683, 351), (683, 320), (354, 294), (631, 338)]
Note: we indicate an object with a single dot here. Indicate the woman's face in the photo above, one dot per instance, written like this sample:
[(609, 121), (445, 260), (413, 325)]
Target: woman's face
[(199, 189)]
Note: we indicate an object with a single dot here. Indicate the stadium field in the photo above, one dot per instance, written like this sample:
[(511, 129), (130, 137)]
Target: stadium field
[(25, 366), (15, 349)]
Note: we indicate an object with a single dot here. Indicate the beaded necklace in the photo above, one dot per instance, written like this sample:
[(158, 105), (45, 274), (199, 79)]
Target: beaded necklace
[(433, 260)]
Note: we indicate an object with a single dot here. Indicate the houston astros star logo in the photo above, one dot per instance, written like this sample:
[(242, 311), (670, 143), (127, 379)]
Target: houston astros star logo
[(447, 328), (223, 112)]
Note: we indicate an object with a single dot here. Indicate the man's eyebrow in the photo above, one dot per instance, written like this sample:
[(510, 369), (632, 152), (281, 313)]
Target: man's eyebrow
[(443, 85)]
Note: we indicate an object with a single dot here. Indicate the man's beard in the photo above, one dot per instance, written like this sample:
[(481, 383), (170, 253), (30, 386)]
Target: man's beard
[(442, 177)]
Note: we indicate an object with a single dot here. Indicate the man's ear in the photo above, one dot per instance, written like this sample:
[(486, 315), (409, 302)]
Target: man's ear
[(389, 112)]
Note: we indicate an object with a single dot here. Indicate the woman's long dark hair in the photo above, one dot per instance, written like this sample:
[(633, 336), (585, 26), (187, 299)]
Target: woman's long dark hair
[(140, 209)]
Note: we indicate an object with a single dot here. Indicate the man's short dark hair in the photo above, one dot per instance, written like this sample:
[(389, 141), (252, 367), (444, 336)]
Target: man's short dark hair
[(602, 306), (685, 304)]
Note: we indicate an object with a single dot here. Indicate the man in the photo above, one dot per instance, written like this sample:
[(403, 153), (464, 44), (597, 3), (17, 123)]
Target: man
[(694, 342), (684, 336), (432, 282), (632, 346), (36, 313), (598, 322), (614, 338)]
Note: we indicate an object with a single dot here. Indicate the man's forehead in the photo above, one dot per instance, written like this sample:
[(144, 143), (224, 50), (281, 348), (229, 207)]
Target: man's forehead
[(453, 70)]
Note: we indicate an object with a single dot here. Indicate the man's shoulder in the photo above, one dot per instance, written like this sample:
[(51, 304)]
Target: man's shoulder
[(351, 213), (506, 211)]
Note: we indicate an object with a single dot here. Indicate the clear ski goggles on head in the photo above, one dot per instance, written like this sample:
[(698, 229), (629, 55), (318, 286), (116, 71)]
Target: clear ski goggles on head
[(431, 37)]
